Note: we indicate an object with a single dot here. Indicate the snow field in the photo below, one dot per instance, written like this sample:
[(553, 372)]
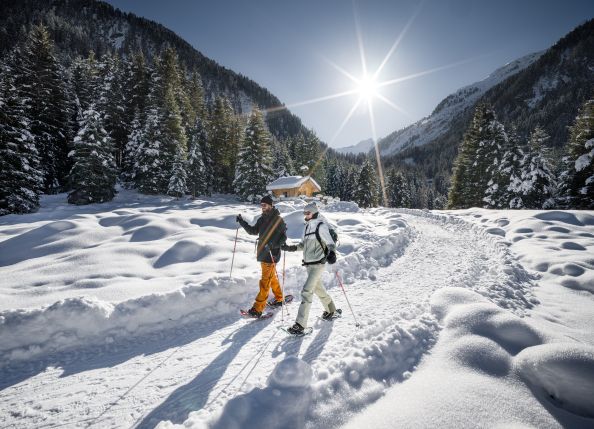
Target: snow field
[(155, 340), (491, 368)]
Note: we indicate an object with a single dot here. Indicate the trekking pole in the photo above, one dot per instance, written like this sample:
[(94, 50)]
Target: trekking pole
[(234, 246), (282, 289), (284, 260), (347, 298)]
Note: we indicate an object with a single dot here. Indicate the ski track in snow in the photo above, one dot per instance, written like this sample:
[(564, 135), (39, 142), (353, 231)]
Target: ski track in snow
[(193, 370)]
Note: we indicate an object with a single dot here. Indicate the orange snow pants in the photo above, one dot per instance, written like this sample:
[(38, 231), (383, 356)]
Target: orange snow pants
[(268, 280)]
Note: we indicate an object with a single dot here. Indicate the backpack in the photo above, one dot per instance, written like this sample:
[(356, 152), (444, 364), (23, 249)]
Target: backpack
[(333, 234)]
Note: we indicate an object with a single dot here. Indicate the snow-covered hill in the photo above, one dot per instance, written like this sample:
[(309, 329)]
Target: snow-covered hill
[(125, 315), (363, 146), (438, 123)]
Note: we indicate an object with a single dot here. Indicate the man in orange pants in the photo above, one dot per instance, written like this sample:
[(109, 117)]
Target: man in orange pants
[(271, 230)]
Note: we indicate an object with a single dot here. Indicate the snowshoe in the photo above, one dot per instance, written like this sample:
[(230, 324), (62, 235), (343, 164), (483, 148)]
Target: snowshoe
[(297, 330), (331, 316), (253, 314), (277, 304)]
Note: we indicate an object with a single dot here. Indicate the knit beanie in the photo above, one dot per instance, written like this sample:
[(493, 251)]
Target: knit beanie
[(266, 199), (311, 207)]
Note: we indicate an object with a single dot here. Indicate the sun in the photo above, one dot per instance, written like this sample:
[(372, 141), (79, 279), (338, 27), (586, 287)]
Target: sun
[(367, 87)]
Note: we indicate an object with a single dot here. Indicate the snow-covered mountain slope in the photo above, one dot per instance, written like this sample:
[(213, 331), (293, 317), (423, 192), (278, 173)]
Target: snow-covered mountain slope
[(80, 348), (438, 123), (363, 146)]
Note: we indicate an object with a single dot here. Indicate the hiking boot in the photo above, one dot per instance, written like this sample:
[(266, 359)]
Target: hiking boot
[(296, 329), (329, 315), (252, 312), (275, 304)]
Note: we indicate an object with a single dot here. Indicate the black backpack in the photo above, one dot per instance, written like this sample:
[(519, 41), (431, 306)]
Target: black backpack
[(333, 234)]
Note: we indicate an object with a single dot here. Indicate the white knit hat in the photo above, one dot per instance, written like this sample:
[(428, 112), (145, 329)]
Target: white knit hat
[(310, 207)]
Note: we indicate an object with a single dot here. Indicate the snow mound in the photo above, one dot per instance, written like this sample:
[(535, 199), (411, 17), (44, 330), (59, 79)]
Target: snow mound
[(77, 322), (445, 300), (283, 403), (465, 314), (342, 206), (560, 374)]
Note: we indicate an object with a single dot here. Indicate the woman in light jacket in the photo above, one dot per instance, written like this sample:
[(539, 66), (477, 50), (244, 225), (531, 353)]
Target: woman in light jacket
[(318, 248)]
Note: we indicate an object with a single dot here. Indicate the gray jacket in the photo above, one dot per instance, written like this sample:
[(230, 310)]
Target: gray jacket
[(313, 252)]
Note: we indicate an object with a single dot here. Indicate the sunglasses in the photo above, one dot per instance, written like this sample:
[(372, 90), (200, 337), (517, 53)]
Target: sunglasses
[(307, 213)]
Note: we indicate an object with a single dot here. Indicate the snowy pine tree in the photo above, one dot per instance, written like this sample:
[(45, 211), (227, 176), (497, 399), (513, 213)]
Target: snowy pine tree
[(149, 169), (41, 80), (398, 190), (173, 136), (332, 179), (538, 179), (131, 151), (254, 164), (578, 176), (478, 158), (21, 179), (197, 169), (504, 186), (85, 81), (178, 181), (282, 164), (93, 174), (112, 104), (366, 190), (221, 152)]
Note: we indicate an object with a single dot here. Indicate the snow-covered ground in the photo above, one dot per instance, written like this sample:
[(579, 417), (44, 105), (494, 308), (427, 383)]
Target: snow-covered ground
[(125, 315)]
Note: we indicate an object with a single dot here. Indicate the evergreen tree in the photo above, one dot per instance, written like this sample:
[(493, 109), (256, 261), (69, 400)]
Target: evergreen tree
[(221, 133), (198, 174), (136, 86), (504, 189), (332, 179), (366, 192), (254, 165), (112, 104), (178, 181), (85, 81), (478, 157), (537, 175), (150, 170), (398, 190), (348, 184), (21, 179), (173, 137), (578, 176), (41, 79), (131, 151), (282, 165), (93, 174)]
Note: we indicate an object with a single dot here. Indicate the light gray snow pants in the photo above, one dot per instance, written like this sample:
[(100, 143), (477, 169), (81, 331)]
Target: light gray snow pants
[(312, 285)]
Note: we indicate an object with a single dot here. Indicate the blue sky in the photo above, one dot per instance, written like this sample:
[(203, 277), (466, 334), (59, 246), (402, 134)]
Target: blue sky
[(289, 47)]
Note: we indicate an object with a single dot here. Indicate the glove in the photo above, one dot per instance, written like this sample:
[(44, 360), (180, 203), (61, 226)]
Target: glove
[(331, 258), (288, 248), (238, 218), (267, 248)]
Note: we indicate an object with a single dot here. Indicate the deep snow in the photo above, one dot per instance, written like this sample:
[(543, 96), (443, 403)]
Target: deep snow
[(124, 315)]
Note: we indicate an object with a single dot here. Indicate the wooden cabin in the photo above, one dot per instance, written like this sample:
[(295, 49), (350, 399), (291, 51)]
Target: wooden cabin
[(293, 186)]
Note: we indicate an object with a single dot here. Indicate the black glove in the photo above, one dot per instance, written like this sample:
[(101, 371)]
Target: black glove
[(267, 248), (238, 218), (331, 258), (288, 248)]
